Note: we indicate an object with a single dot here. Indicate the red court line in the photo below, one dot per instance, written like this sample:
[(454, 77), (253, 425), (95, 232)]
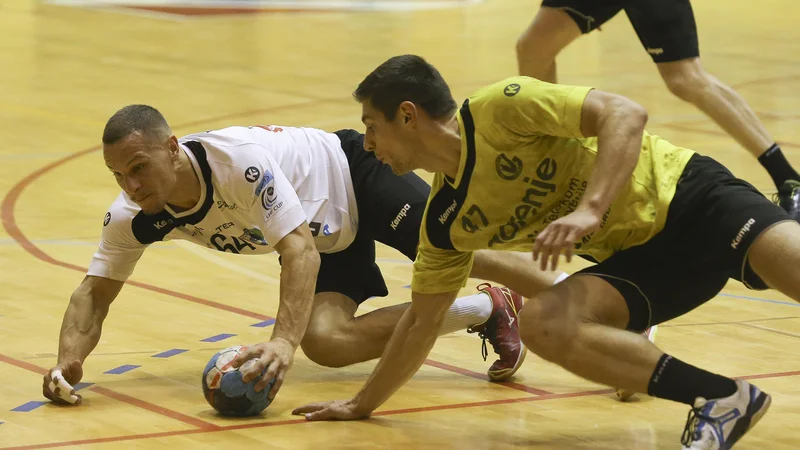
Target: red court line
[(299, 421), (189, 420), (483, 376), (376, 414), (23, 365), (771, 375)]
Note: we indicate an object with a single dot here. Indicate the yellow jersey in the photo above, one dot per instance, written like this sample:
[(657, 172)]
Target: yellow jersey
[(524, 164)]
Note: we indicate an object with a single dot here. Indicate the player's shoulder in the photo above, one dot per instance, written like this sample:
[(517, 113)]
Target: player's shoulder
[(505, 89), (119, 218)]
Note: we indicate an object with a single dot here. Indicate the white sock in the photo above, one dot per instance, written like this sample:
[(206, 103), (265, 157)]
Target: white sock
[(466, 311), (561, 278)]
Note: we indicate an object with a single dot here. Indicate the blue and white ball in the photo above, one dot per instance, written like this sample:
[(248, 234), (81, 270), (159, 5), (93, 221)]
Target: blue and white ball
[(224, 389)]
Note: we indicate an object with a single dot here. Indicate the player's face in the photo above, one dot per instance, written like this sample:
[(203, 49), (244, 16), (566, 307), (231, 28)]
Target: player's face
[(389, 140), (144, 169)]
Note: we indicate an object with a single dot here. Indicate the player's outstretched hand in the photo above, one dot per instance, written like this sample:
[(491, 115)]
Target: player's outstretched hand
[(561, 235), (331, 410), (58, 382), (277, 356)]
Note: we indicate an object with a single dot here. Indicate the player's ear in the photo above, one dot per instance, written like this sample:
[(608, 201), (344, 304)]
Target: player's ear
[(407, 113), (174, 148)]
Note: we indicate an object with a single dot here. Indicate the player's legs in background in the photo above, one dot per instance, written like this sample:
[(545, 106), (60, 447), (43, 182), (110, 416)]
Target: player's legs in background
[(668, 31), (556, 25)]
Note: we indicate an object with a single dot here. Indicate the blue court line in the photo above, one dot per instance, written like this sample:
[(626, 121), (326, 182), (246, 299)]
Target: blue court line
[(263, 324), (217, 338), (756, 299), (408, 286), (121, 369), (169, 353), (30, 406), (80, 386)]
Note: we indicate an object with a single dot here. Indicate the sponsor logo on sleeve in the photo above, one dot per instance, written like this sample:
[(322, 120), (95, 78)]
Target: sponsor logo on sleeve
[(251, 174)]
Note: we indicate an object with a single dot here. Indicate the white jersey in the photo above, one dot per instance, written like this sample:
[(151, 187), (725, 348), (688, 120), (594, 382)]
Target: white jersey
[(257, 185)]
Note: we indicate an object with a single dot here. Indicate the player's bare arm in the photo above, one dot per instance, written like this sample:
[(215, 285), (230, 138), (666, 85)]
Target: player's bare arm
[(410, 344), (619, 125), (80, 333), (299, 267)]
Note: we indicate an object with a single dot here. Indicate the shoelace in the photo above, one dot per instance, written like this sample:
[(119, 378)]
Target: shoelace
[(484, 338), (692, 421)]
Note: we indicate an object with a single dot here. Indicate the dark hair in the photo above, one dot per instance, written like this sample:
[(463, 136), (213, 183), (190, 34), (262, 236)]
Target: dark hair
[(132, 118), (406, 78)]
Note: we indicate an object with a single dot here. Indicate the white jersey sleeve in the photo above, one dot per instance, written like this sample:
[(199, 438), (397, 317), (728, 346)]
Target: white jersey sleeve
[(274, 202), (119, 250)]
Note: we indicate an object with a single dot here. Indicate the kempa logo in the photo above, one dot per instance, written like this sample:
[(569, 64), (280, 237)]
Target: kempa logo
[(400, 216), (447, 212), (162, 223), (736, 241), (655, 51)]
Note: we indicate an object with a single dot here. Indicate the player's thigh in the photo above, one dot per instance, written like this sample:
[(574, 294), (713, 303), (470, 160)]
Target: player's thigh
[(580, 298), (730, 218), (657, 285), (352, 272), (775, 257), (587, 15), (666, 28), (330, 313)]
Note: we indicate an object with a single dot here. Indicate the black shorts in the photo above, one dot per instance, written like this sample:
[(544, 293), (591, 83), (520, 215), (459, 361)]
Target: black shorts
[(390, 209), (712, 221), (666, 28)]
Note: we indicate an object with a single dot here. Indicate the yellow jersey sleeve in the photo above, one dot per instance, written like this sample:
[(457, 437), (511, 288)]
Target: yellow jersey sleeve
[(530, 107), (438, 270)]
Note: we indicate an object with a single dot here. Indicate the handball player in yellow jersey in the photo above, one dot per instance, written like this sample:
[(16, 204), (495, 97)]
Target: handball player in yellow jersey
[(525, 165)]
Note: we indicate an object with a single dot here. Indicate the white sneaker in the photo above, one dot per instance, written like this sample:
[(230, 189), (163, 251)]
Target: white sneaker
[(719, 424), (650, 334)]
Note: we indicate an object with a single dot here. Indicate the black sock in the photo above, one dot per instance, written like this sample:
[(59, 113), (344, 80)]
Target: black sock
[(675, 380), (778, 167)]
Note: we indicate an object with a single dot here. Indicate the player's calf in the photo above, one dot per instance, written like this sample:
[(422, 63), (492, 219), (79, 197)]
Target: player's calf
[(650, 333)]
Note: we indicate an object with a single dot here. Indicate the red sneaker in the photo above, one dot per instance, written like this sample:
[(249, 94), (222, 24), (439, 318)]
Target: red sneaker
[(502, 331)]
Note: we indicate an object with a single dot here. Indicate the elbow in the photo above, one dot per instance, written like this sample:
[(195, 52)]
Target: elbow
[(636, 114), (640, 115)]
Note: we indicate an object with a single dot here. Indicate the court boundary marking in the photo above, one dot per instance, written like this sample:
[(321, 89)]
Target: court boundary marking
[(207, 427)]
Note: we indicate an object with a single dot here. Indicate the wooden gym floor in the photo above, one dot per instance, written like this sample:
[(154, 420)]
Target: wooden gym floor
[(66, 68)]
